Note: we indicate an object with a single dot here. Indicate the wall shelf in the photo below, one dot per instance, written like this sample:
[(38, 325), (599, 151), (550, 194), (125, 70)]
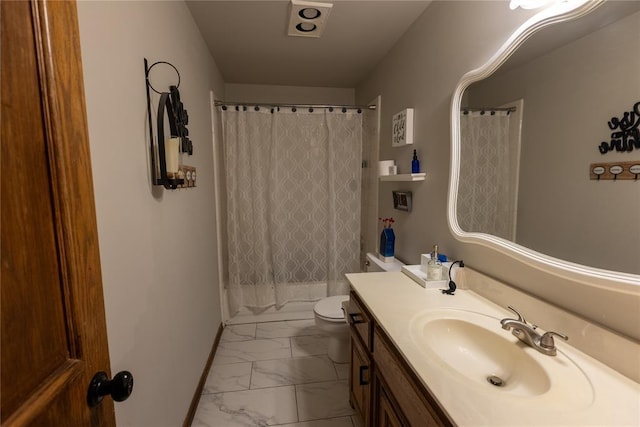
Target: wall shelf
[(404, 177)]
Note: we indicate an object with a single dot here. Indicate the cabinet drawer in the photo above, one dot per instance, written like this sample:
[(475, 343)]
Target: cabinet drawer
[(415, 402), (360, 321)]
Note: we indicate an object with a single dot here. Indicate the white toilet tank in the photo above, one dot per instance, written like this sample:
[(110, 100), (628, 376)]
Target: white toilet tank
[(375, 264)]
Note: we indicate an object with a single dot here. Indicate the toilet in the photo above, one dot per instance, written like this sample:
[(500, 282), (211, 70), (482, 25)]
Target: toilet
[(330, 316)]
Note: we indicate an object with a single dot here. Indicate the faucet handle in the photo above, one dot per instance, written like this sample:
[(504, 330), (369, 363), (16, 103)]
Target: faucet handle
[(546, 341), (520, 317)]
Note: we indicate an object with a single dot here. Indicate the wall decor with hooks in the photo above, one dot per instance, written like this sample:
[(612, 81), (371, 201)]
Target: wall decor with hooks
[(166, 168), (615, 171)]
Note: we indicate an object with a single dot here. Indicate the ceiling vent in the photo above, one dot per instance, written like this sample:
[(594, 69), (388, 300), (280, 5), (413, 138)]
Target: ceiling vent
[(308, 18)]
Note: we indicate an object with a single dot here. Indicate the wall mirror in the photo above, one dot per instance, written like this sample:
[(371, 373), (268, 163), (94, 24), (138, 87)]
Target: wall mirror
[(559, 96)]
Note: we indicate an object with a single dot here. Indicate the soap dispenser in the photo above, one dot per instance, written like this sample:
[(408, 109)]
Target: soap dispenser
[(415, 163), (434, 267)]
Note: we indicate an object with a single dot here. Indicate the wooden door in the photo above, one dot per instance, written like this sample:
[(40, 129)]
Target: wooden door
[(52, 314)]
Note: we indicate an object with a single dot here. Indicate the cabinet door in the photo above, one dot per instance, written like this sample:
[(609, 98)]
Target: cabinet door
[(386, 415), (360, 380), (416, 404)]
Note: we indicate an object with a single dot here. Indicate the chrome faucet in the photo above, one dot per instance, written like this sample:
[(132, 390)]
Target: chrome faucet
[(527, 334)]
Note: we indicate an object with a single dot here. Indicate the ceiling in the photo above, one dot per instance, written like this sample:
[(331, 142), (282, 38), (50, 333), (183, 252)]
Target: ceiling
[(249, 42)]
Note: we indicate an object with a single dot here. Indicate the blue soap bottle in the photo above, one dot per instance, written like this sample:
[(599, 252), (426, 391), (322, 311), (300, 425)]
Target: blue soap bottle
[(415, 163)]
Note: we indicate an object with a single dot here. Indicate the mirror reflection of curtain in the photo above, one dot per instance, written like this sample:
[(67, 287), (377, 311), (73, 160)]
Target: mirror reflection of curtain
[(293, 204), (487, 196)]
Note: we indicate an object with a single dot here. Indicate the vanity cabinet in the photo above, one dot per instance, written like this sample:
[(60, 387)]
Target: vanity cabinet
[(387, 415), (360, 321), (411, 402), (382, 387), (360, 380), (361, 368)]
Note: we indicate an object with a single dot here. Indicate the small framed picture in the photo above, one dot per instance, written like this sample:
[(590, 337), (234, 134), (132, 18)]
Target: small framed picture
[(402, 200), (402, 128)]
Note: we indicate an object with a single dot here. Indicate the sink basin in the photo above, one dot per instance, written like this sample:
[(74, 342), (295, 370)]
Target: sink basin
[(485, 357), (473, 348)]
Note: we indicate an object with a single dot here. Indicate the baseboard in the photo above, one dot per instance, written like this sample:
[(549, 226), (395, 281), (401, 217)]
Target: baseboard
[(203, 378)]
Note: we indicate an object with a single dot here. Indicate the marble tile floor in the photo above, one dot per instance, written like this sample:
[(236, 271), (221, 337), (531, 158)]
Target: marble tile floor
[(275, 374)]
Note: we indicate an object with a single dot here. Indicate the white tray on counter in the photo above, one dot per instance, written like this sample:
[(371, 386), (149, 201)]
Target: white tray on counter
[(420, 277)]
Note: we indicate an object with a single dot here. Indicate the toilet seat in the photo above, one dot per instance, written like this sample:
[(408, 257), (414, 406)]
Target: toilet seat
[(330, 308)]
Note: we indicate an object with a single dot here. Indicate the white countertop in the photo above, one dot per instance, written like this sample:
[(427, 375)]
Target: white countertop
[(395, 300)]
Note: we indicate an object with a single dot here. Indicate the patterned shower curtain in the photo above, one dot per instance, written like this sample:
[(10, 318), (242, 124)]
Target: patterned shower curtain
[(487, 195), (293, 204)]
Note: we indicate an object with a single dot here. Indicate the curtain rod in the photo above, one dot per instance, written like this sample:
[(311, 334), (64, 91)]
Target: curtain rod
[(218, 103), (483, 109)]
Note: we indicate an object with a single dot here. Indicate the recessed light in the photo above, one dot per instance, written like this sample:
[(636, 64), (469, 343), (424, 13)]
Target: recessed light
[(306, 27), (309, 13)]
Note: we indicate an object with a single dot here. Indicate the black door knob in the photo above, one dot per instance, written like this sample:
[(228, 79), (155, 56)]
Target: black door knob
[(119, 387)]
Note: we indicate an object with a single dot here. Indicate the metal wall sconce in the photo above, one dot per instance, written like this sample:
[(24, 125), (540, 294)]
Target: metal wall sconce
[(165, 154)]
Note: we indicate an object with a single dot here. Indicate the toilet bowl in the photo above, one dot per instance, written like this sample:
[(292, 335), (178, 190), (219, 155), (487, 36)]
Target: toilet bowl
[(329, 317)]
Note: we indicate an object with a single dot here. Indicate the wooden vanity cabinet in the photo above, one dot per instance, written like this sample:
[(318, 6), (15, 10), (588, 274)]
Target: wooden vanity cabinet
[(410, 401), (382, 387), (360, 321), (386, 414), (361, 368), (360, 381)]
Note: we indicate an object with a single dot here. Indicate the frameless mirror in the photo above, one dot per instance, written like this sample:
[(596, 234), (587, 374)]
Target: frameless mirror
[(531, 122)]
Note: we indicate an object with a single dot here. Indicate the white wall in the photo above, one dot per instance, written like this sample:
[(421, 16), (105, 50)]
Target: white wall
[(158, 253), (288, 94), (422, 72)]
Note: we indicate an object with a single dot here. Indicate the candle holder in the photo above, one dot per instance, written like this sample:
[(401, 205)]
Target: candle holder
[(163, 153)]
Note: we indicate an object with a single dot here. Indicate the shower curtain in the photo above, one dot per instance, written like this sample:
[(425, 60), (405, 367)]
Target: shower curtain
[(486, 195), (293, 204)]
